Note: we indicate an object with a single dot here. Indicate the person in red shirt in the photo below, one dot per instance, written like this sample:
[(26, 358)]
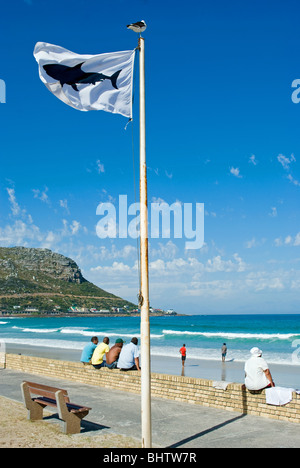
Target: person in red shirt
[(183, 354)]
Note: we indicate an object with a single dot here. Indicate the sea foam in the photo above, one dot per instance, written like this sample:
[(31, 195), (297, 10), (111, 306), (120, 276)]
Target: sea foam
[(244, 336)]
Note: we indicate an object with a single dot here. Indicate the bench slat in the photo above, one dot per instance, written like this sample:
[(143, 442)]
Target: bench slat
[(45, 401), (45, 387), (46, 391), (72, 407), (47, 397), (77, 408)]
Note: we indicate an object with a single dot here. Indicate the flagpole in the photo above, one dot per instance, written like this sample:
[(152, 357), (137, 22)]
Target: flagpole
[(145, 324)]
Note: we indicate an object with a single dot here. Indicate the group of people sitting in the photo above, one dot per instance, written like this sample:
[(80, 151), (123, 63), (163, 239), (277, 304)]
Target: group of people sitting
[(126, 357), (122, 356)]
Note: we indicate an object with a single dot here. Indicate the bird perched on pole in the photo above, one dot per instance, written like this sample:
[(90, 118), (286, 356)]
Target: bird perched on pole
[(138, 27)]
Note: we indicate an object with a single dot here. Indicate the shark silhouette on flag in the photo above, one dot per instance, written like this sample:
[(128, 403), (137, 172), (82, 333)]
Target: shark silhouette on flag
[(74, 76), (88, 82)]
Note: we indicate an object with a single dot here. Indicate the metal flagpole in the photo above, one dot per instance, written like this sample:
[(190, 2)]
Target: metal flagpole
[(144, 293)]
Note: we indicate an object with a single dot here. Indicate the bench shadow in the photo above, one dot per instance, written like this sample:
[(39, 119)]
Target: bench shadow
[(207, 431), (86, 426)]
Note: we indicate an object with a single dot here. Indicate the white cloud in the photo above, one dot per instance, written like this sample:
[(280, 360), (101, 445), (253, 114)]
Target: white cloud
[(253, 160), (181, 280), (210, 213), (285, 162), (293, 180), (273, 212), (115, 268), (168, 250), (108, 198), (188, 269), (158, 266), (19, 234), (264, 280), (100, 167), (157, 200), (255, 242), (295, 284), (251, 243), (23, 231), (217, 264), (289, 240), (50, 240), (240, 264), (64, 204), (41, 195), (15, 208), (297, 239), (236, 172), (216, 289), (17, 211), (75, 226), (71, 229), (102, 253)]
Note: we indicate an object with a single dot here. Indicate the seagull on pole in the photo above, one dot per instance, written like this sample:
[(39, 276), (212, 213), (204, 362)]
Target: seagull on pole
[(138, 27)]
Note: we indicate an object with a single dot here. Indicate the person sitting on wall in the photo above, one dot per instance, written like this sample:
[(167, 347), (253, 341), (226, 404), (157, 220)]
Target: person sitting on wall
[(98, 355), (129, 357), (113, 355), (257, 373), (88, 350)]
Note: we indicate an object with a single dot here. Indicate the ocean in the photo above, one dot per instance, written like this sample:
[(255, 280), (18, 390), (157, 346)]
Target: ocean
[(277, 335)]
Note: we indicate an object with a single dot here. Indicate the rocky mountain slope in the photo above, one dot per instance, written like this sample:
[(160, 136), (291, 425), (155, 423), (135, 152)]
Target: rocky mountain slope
[(44, 280)]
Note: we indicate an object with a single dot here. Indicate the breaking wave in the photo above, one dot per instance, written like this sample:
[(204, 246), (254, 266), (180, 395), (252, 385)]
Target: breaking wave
[(238, 336)]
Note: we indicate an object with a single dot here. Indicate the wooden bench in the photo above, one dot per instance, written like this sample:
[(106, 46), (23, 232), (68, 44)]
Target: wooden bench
[(70, 413)]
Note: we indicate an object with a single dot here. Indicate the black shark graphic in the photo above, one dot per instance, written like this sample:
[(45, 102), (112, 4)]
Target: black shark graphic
[(74, 76)]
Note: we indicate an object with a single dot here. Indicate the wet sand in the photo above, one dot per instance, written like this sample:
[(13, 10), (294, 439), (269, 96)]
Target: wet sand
[(230, 371)]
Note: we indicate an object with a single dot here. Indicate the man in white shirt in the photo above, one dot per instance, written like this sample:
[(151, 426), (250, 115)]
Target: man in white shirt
[(258, 375), (129, 356)]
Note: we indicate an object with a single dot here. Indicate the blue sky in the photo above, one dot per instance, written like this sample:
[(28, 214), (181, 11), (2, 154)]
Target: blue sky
[(221, 130)]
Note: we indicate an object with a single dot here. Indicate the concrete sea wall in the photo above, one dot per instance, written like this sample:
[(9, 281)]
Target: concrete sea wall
[(183, 389)]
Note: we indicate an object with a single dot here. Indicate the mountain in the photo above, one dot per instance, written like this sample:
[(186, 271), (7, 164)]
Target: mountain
[(44, 280)]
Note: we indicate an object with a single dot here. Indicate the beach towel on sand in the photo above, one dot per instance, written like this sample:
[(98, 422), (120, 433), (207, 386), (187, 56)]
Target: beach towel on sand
[(279, 396)]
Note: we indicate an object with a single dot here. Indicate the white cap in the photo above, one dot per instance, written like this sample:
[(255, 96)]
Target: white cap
[(256, 352)]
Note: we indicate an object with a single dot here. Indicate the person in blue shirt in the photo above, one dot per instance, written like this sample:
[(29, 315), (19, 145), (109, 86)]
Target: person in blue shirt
[(129, 356), (88, 350)]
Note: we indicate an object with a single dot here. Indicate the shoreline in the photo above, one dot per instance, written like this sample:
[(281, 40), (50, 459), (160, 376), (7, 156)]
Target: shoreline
[(84, 314), (284, 375)]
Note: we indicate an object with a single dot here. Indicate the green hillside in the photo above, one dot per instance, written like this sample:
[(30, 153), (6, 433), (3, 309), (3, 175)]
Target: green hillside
[(44, 280)]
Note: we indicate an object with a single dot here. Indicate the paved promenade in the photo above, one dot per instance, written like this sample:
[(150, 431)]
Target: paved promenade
[(174, 425)]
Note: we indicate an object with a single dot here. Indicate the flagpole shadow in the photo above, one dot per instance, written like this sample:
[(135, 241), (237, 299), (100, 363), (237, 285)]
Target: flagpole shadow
[(207, 431)]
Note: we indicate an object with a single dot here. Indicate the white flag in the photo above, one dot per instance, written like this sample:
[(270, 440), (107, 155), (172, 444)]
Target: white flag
[(88, 82)]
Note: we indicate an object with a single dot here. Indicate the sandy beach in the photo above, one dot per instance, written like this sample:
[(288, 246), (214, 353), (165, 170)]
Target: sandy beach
[(230, 371), (18, 432)]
